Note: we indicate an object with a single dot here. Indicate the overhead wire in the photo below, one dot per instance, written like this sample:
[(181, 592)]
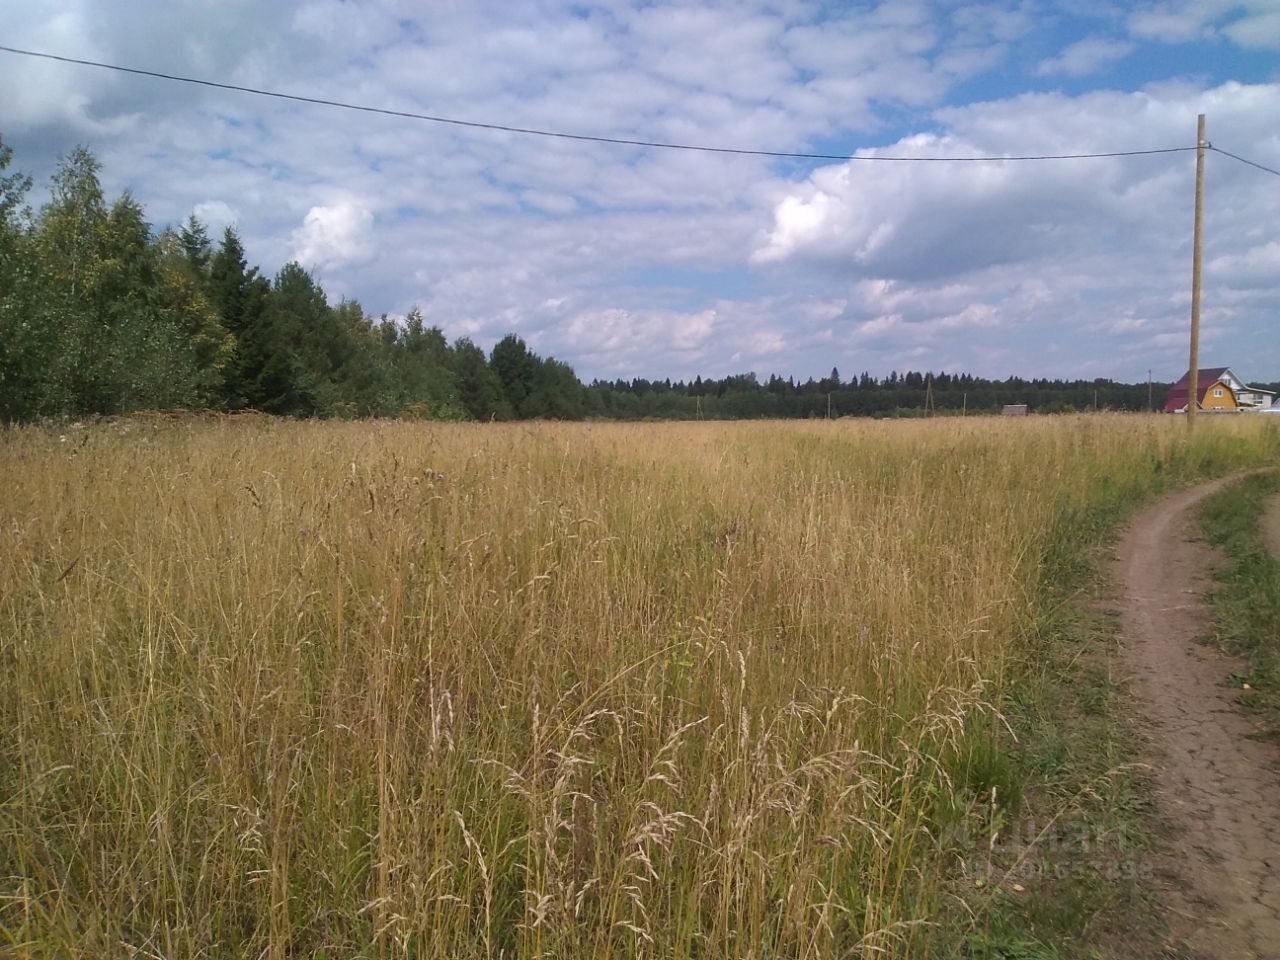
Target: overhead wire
[(1243, 160), (562, 135)]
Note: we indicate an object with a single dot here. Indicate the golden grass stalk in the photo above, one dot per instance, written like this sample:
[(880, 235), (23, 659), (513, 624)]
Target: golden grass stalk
[(414, 690)]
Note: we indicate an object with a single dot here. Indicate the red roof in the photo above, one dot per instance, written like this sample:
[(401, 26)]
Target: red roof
[(1205, 379)]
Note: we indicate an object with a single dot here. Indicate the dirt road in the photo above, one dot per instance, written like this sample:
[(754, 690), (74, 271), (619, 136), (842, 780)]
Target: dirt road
[(1271, 526), (1219, 787)]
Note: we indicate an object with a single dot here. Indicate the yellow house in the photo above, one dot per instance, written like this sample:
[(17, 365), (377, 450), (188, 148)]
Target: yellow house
[(1218, 396)]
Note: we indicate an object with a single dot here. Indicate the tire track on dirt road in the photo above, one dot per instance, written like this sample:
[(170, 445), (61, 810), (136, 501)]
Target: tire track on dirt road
[(1218, 787)]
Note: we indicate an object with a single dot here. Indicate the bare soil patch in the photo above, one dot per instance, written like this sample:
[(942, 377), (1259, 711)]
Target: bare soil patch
[(1217, 785)]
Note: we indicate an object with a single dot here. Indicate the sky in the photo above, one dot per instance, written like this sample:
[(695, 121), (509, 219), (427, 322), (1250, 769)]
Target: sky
[(632, 261)]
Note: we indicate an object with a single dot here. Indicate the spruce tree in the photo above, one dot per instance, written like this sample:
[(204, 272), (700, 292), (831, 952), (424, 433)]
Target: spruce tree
[(193, 238), (239, 296)]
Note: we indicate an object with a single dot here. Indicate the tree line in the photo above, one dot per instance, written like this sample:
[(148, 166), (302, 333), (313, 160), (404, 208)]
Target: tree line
[(744, 396), (100, 314)]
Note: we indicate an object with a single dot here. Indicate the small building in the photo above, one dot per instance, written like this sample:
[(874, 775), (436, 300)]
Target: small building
[(1013, 410), (1220, 391), (1255, 398)]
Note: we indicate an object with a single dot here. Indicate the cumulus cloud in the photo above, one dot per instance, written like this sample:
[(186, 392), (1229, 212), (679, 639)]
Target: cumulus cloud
[(216, 215), (909, 221), (335, 236)]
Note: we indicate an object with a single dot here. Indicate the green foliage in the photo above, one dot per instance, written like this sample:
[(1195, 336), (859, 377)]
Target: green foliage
[(556, 393), (516, 369), (534, 387), (93, 320), (13, 191), (196, 247), (239, 296), (1008, 947), (424, 368), (21, 341), (182, 299), (479, 389)]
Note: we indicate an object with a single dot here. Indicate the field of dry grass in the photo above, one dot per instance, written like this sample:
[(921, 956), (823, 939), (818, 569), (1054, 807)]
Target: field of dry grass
[(387, 689)]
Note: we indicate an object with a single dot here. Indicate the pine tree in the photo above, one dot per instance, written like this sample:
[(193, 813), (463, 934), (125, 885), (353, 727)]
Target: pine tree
[(239, 296)]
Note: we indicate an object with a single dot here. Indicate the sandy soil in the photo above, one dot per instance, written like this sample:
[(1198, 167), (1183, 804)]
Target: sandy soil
[(1271, 525), (1218, 787)]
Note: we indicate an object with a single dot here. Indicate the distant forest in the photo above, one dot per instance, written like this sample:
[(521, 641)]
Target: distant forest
[(100, 315)]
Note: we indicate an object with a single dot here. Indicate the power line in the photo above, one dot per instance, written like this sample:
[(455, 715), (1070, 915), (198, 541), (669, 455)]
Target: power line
[(560, 135), (1243, 160)]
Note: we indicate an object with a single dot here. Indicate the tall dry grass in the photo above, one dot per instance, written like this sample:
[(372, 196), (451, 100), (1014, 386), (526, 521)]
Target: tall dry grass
[(376, 689)]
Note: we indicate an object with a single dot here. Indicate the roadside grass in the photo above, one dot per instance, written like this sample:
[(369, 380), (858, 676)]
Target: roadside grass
[(701, 690), (1246, 599), (1062, 873)]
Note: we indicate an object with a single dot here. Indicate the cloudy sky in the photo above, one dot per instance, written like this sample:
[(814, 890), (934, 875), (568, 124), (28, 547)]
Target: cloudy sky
[(629, 261)]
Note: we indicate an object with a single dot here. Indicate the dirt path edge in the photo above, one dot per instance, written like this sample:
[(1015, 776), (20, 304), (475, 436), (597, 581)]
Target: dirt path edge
[(1218, 787)]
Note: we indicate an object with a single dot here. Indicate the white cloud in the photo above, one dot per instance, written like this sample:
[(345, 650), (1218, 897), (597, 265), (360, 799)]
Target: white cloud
[(881, 326), (216, 215), (621, 338), (1177, 21), (335, 236), (906, 220), (1252, 266), (1259, 30), (1252, 23), (1085, 57)]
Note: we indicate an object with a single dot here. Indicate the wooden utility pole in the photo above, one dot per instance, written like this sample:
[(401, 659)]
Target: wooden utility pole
[(1150, 406), (1193, 380)]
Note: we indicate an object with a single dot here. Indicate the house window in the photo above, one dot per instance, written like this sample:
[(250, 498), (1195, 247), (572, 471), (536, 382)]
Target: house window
[(1217, 393)]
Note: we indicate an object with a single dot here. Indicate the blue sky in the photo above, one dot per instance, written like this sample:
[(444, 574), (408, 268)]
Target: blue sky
[(627, 261)]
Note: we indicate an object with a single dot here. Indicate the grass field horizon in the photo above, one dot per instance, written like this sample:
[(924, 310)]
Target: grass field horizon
[(323, 689)]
